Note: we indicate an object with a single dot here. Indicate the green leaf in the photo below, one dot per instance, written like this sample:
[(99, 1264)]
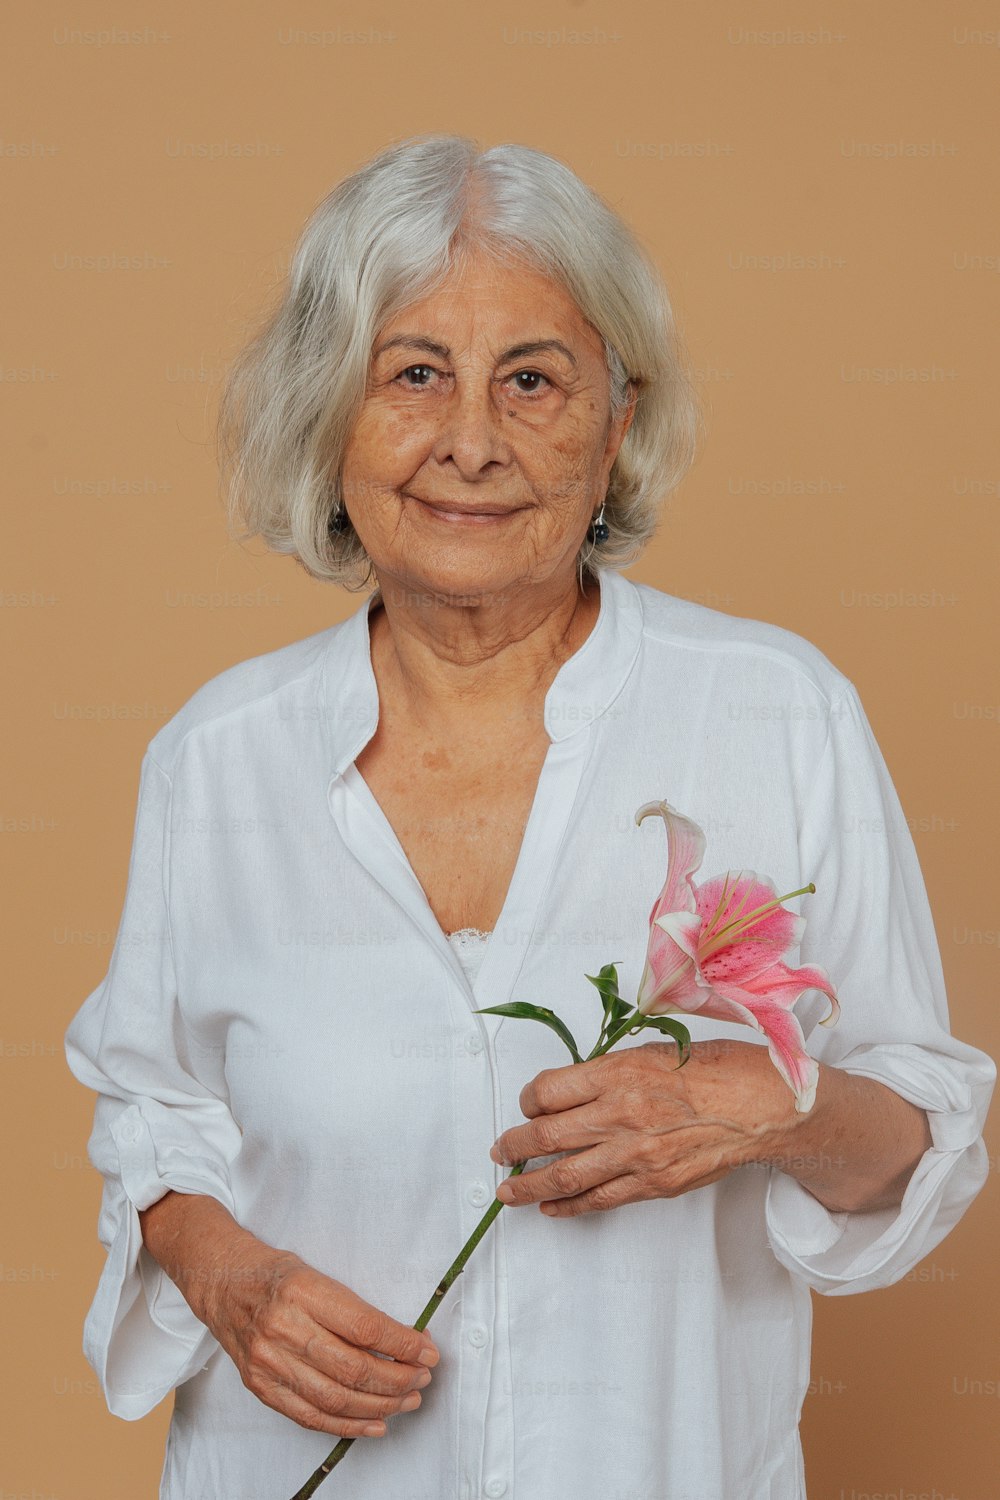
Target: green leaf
[(669, 1027), (607, 983), (523, 1011)]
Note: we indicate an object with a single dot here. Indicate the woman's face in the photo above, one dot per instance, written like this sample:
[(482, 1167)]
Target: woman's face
[(485, 443)]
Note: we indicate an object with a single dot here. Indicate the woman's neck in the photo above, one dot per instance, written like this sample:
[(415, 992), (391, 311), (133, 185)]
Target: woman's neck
[(446, 664)]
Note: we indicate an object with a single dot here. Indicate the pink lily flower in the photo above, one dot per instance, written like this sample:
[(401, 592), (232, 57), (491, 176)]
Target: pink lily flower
[(715, 949)]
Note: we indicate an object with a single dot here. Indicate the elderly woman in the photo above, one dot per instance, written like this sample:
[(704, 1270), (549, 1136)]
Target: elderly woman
[(473, 394)]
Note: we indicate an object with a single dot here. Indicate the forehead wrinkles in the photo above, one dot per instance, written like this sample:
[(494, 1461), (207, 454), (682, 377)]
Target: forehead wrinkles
[(496, 311)]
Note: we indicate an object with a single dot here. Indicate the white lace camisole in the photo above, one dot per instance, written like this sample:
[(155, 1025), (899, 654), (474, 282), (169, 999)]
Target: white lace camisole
[(470, 945)]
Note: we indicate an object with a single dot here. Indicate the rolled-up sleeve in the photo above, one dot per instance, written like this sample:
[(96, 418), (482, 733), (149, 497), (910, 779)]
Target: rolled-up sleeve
[(870, 926), (157, 1127)]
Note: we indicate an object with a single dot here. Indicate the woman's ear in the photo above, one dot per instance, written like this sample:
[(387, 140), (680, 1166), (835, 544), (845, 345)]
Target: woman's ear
[(633, 399), (621, 424)]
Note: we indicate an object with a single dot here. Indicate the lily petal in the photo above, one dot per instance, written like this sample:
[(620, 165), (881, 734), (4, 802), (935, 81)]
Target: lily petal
[(670, 974), (786, 985), (786, 1046), (778, 1023), (685, 852)]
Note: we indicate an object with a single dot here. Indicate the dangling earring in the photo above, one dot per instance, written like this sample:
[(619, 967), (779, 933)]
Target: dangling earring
[(336, 523), (599, 528)]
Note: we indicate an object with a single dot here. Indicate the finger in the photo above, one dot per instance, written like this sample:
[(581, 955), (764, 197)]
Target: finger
[(620, 1190), (357, 1322), (556, 1089), (565, 1178), (320, 1421), (358, 1370), (290, 1404), (548, 1135), (336, 1400)]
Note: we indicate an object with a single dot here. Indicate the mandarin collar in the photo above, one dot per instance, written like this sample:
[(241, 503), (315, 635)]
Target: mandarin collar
[(583, 689)]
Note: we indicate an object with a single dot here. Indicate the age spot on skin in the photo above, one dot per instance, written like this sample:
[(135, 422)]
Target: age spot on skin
[(435, 760)]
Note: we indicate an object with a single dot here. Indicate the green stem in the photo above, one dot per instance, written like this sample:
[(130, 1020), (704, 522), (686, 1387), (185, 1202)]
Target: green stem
[(452, 1274), (632, 1022)]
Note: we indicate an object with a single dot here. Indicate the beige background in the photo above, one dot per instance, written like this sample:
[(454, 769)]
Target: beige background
[(849, 490)]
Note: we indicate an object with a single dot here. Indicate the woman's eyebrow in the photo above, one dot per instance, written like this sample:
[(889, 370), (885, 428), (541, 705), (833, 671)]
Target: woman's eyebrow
[(516, 351), (540, 346)]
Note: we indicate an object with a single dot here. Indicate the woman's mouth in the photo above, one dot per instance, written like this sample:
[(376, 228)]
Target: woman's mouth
[(455, 513)]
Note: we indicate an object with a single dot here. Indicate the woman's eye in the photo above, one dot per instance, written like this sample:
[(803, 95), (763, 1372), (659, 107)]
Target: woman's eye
[(422, 370), (535, 375)]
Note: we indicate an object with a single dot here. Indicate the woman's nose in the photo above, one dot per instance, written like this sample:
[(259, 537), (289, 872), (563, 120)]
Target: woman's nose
[(472, 432)]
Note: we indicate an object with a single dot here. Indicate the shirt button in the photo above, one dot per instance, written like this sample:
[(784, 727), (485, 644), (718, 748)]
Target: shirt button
[(475, 1043), (495, 1487), (478, 1195), (478, 1337)]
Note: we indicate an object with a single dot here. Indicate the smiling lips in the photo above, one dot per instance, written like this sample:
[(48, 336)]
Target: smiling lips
[(448, 510)]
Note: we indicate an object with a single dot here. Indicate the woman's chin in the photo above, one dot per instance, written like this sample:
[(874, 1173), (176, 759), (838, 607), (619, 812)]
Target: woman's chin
[(467, 563), (460, 584), (455, 569)]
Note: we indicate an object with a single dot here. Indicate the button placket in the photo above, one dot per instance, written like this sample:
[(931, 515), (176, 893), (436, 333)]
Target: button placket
[(498, 1431), (476, 1104), (488, 1359), (478, 1319)]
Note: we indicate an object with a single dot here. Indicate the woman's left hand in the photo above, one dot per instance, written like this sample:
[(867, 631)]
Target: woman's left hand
[(640, 1127)]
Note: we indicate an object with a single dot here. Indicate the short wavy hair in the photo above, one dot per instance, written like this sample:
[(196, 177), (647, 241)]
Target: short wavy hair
[(388, 235)]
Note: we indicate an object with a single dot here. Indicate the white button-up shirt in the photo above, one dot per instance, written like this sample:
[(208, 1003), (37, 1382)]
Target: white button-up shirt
[(285, 1026)]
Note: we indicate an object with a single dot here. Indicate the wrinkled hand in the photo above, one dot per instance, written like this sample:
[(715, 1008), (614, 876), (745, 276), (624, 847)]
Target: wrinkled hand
[(638, 1127), (309, 1347)]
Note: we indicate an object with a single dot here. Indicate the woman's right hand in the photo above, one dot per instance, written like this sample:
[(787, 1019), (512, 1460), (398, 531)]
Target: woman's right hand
[(309, 1347), (303, 1343)]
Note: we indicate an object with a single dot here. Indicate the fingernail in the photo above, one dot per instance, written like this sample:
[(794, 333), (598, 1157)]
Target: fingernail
[(428, 1355), (373, 1429), (424, 1378), (495, 1155), (411, 1403)]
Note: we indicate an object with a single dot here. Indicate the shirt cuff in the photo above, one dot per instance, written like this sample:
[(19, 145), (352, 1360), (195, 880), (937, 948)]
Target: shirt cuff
[(140, 1336), (838, 1254)]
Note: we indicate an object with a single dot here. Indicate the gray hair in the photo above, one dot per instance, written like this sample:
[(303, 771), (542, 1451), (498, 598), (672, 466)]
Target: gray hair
[(387, 236)]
